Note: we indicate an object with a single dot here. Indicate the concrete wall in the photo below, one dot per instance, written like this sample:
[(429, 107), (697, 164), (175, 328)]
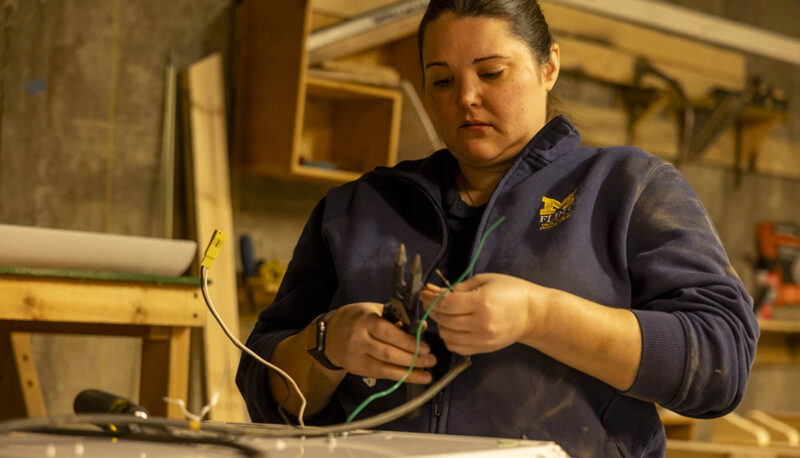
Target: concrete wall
[(81, 94)]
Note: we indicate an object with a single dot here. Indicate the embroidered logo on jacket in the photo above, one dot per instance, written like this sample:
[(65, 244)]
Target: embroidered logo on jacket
[(554, 211)]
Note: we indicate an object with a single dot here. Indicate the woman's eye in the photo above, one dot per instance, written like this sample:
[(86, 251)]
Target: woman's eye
[(442, 82), (491, 75)]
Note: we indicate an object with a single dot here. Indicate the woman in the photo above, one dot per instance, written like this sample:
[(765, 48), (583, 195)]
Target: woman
[(605, 291)]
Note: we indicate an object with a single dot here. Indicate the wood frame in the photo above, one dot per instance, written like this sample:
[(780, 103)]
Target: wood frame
[(160, 314), (694, 24), (280, 112)]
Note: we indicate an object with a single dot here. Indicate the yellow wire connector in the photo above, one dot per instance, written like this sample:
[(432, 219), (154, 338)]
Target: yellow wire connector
[(212, 250)]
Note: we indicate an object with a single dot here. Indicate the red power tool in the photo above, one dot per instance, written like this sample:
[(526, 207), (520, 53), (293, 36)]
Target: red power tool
[(779, 250)]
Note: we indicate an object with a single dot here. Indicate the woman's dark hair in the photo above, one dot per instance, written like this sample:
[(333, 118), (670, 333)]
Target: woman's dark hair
[(524, 18), (525, 22)]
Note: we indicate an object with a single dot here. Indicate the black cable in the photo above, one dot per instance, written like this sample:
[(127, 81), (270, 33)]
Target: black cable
[(252, 430), (169, 438)]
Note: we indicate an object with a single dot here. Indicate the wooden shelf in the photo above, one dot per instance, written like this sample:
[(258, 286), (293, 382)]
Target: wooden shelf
[(779, 342), (298, 127), (352, 127)]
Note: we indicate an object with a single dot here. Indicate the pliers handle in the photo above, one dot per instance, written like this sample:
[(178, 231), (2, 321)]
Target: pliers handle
[(402, 305)]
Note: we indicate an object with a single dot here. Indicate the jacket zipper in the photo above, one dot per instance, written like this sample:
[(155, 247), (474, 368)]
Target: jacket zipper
[(438, 399), (437, 410)]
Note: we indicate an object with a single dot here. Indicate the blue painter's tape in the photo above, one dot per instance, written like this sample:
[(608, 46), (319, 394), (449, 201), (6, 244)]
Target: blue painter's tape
[(36, 86)]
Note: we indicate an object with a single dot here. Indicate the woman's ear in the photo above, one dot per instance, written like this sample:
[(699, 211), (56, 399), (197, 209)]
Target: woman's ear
[(552, 67)]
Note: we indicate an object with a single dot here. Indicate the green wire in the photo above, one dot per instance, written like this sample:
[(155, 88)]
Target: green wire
[(419, 328)]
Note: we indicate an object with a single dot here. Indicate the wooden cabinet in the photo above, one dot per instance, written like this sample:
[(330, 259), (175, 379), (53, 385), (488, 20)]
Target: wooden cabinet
[(292, 125)]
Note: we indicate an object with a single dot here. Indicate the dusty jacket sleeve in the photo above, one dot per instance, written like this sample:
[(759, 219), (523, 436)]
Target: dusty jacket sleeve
[(305, 292), (699, 333)]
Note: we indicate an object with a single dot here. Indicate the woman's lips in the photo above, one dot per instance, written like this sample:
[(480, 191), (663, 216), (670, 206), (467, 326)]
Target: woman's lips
[(476, 126)]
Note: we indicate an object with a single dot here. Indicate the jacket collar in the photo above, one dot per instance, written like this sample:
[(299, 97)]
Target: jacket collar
[(555, 139)]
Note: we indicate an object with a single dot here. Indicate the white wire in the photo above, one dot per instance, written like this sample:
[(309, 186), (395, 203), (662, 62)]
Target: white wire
[(204, 275), (206, 408)]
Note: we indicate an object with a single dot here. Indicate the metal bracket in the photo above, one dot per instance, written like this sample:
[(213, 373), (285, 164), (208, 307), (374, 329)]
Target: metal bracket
[(753, 112)]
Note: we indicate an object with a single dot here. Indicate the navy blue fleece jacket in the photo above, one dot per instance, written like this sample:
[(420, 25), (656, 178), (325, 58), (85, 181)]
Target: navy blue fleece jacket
[(615, 225)]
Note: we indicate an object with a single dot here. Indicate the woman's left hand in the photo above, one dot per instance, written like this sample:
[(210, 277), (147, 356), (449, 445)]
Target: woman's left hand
[(486, 313)]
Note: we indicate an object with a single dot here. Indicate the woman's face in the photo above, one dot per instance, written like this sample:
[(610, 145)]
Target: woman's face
[(485, 88)]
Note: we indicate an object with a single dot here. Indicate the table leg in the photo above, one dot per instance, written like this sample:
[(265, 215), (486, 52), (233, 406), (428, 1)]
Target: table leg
[(18, 377), (165, 370)]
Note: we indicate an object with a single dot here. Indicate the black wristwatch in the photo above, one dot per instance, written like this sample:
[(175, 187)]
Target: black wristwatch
[(318, 350)]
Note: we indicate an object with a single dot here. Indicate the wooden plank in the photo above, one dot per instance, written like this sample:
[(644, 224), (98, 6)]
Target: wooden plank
[(779, 342), (376, 75), (320, 21), (19, 381), (671, 50), (165, 370), (695, 449), (696, 25), (610, 64), (211, 198), (347, 8), (168, 146), (94, 302), (373, 20), (14, 399), (154, 377), (778, 348), (780, 432), (367, 31), (178, 381), (735, 429), (779, 326), (790, 418), (28, 376)]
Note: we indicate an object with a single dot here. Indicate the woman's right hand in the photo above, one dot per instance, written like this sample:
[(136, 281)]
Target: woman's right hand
[(363, 343)]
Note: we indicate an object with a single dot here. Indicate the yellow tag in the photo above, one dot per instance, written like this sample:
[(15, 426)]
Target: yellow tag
[(212, 250)]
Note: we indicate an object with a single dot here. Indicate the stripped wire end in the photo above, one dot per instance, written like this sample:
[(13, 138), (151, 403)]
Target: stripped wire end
[(213, 248), (446, 283)]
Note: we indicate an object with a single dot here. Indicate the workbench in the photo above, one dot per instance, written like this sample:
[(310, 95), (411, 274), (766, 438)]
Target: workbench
[(159, 310)]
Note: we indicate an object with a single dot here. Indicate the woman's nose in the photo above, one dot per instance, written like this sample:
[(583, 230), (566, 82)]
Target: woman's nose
[(468, 93)]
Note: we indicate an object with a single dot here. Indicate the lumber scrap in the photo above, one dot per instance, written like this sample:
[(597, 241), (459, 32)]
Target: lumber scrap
[(610, 64), (780, 432), (736, 429), (371, 29), (376, 75), (696, 449), (347, 8), (670, 50), (211, 204), (697, 25)]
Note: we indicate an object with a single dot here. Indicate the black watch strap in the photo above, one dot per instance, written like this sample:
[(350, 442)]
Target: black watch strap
[(320, 324)]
